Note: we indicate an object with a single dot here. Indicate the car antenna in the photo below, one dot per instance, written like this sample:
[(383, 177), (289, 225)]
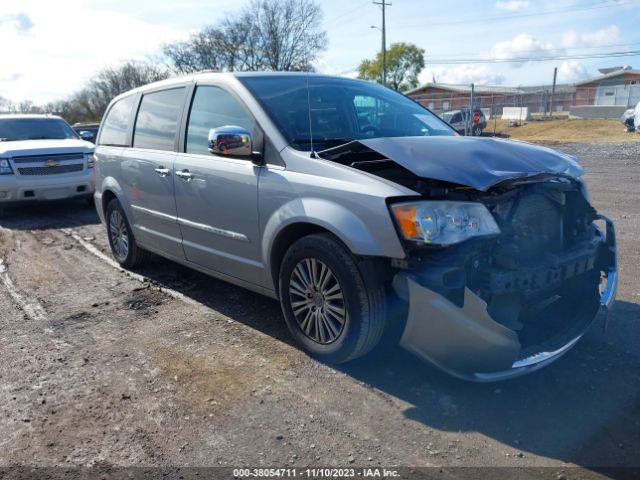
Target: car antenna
[(313, 152)]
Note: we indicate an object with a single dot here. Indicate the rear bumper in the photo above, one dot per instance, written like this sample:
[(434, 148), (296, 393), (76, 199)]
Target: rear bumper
[(19, 190), (467, 343)]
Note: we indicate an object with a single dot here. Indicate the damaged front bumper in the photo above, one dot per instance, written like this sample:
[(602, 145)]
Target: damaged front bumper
[(467, 343)]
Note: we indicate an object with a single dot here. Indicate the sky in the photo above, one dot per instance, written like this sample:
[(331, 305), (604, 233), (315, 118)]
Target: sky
[(49, 49)]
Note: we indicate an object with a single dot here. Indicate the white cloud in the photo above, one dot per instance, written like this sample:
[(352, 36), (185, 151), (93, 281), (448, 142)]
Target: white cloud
[(462, 74), (512, 5), (49, 52), (523, 45), (572, 71), (605, 36)]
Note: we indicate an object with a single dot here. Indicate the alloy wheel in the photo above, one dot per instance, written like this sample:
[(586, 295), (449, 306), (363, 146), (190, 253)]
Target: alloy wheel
[(118, 234), (317, 301)]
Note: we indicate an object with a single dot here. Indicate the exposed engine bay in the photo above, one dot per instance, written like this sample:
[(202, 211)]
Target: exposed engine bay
[(540, 278)]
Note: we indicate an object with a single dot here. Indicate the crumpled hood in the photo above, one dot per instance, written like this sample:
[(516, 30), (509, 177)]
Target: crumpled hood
[(479, 163), (44, 147)]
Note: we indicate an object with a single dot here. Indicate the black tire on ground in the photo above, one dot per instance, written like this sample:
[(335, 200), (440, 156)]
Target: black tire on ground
[(360, 284), (476, 132), (121, 240)]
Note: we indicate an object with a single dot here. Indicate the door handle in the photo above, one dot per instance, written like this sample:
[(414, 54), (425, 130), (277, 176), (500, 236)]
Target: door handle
[(163, 172), (185, 175)]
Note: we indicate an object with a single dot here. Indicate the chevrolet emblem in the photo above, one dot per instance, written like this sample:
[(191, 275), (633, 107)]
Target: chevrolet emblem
[(52, 163)]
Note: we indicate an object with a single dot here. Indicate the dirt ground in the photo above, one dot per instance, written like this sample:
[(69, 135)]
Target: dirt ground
[(102, 368), (564, 130)]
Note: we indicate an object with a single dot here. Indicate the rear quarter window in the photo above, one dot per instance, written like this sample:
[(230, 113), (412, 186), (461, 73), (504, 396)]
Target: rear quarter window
[(116, 124)]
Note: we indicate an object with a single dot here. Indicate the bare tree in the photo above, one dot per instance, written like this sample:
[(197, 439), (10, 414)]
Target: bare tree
[(267, 35), (89, 104), (113, 81), (6, 105)]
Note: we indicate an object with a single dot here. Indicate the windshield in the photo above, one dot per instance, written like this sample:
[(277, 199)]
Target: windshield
[(12, 129), (341, 110)]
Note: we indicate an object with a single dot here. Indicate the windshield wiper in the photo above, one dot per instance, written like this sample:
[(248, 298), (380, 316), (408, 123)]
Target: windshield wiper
[(9, 139)]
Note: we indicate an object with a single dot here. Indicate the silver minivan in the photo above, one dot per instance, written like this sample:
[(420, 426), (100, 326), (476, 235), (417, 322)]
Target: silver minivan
[(363, 213)]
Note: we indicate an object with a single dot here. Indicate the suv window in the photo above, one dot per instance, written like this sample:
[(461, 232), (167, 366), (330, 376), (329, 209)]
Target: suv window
[(116, 123), (457, 117), (157, 121), (213, 107)]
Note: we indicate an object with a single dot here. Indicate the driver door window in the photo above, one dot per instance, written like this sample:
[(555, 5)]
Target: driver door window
[(213, 108)]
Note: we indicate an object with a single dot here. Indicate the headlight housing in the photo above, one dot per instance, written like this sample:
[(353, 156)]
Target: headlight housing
[(91, 159), (5, 167), (443, 222)]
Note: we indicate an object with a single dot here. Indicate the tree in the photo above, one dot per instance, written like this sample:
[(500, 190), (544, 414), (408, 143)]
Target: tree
[(6, 105), (112, 81), (267, 35), (89, 104), (405, 61)]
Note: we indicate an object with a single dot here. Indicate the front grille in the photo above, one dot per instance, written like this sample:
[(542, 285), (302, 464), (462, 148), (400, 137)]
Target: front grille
[(51, 170), (59, 157)]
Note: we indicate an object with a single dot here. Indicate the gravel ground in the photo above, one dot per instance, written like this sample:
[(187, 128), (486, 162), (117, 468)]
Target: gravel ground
[(101, 368)]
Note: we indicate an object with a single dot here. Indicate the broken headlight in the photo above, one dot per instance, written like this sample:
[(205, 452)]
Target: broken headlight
[(443, 222)]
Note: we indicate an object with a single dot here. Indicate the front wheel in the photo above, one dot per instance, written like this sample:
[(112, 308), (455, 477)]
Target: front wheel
[(476, 132), (333, 304)]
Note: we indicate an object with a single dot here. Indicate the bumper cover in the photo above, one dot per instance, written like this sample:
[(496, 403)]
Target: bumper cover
[(19, 190), (467, 343)]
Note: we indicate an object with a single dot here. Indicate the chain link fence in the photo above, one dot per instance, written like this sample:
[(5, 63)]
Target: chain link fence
[(539, 102)]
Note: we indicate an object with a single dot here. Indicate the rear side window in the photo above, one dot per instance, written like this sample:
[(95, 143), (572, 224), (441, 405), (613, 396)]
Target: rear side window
[(157, 122), (116, 124), (212, 108)]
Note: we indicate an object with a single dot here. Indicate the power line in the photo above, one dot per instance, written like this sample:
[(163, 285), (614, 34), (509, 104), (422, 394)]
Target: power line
[(332, 20), (494, 18), (525, 52), (541, 58)]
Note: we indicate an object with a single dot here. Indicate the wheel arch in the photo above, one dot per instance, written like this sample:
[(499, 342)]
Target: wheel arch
[(302, 217), (286, 237)]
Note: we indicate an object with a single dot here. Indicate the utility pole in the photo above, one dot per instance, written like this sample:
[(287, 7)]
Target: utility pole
[(553, 92), (384, 4)]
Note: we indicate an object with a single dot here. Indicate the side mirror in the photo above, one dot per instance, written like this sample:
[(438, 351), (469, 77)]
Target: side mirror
[(86, 135), (230, 141)]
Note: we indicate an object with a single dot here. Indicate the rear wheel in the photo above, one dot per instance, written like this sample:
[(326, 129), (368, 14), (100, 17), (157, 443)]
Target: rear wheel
[(476, 132), (123, 245), (334, 305)]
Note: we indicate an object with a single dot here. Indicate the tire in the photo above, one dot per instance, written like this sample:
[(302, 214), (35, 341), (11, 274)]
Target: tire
[(476, 132), (354, 292), (121, 240)]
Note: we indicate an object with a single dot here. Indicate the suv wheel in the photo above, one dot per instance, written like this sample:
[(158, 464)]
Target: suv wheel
[(334, 306), (123, 245), (476, 132)]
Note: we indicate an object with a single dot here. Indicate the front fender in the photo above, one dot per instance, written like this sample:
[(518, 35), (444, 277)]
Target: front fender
[(359, 237)]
